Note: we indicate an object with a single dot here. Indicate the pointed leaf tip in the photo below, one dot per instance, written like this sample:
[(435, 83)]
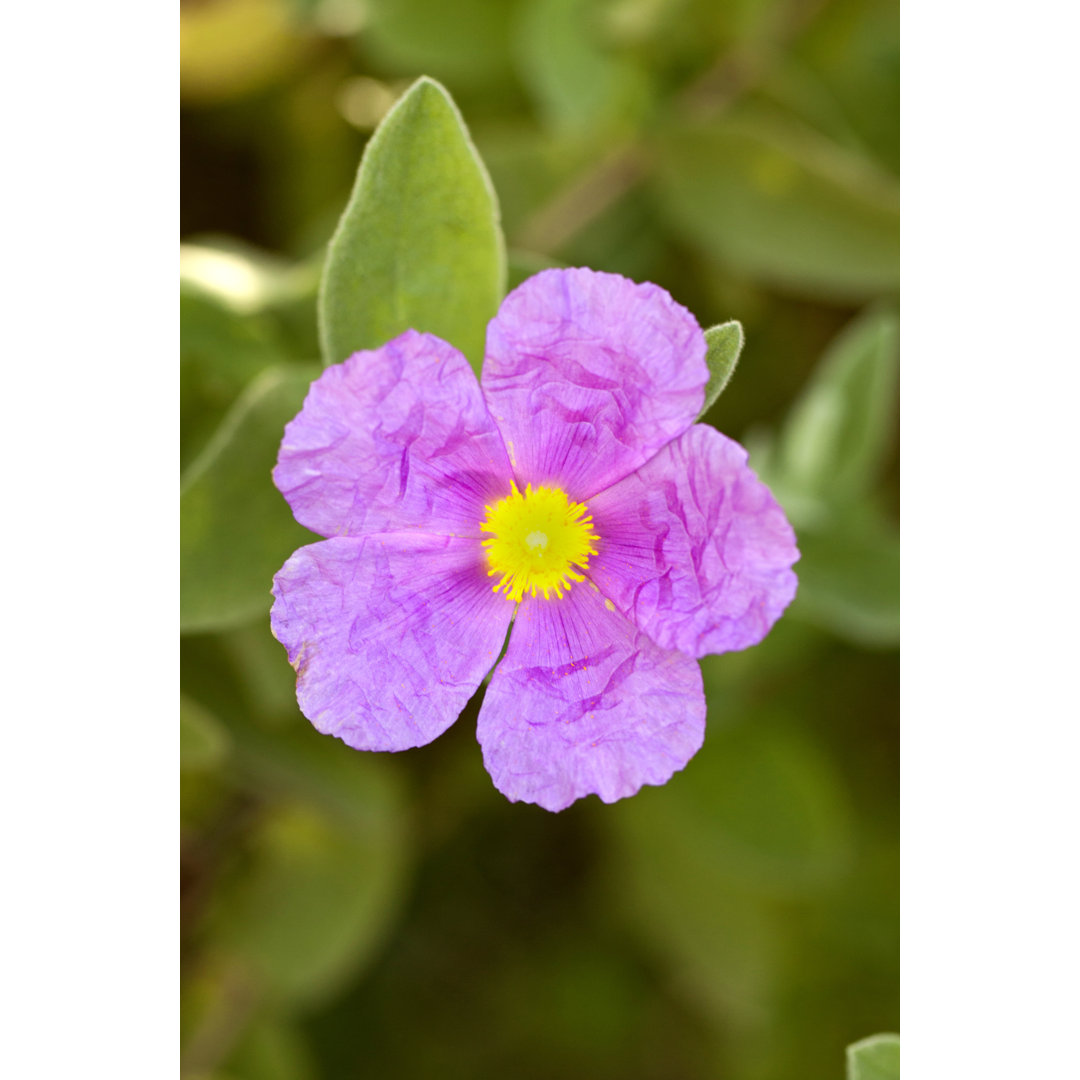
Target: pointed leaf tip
[(874, 1058), (419, 245), (725, 343)]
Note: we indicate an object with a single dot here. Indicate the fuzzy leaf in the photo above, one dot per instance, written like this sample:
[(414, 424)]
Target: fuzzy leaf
[(419, 245), (875, 1058), (725, 343)]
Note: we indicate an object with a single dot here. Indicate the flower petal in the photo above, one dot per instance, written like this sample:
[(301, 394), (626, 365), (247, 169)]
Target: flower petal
[(390, 635), (694, 548), (587, 375), (395, 438), (584, 703)]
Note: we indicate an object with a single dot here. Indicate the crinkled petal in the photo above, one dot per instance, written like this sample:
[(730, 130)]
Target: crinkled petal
[(390, 635), (585, 703), (588, 375), (694, 548), (395, 438)]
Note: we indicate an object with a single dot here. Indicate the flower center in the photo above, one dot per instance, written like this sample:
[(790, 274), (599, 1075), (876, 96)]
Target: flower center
[(539, 542)]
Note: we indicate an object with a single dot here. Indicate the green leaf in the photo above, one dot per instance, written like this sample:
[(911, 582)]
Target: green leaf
[(296, 762), (822, 467), (327, 866), (419, 245), (725, 343), (775, 812), (783, 205), (268, 685), (221, 351), (580, 86), (836, 436), (235, 528), (852, 52), (226, 347), (312, 903), (204, 743), (717, 939), (875, 1058), (759, 813), (849, 579)]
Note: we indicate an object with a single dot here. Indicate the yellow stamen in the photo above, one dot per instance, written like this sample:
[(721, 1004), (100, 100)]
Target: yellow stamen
[(540, 541)]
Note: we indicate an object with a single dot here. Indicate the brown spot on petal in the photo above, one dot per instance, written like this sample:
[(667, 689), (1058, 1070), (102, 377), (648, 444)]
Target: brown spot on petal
[(303, 659)]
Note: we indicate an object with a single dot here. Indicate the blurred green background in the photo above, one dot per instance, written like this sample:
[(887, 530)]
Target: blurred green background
[(349, 915)]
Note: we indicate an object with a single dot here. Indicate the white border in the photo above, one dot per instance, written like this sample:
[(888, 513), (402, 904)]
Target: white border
[(88, 789), (989, 436)]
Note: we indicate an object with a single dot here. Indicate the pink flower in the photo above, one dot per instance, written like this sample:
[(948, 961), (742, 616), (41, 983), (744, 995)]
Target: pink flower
[(569, 493)]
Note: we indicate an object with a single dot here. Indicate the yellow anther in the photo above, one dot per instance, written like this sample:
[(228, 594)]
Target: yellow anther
[(540, 542)]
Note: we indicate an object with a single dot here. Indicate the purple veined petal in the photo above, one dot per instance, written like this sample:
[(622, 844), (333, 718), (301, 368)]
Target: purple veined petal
[(395, 438), (390, 635), (585, 703), (695, 549), (588, 375)]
